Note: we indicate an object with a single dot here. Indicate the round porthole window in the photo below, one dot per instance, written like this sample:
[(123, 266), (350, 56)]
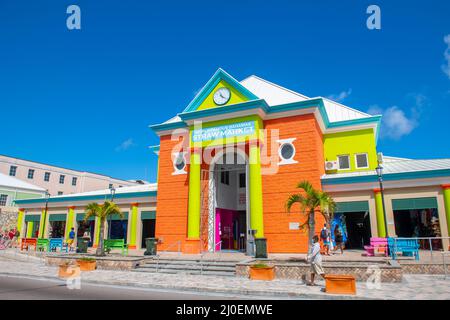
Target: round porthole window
[(287, 151), (179, 163)]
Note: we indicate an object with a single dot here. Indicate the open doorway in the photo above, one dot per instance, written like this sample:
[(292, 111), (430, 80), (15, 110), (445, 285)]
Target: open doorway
[(148, 230), (355, 227), (230, 210)]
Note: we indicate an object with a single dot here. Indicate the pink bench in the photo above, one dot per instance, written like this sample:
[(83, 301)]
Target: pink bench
[(377, 246)]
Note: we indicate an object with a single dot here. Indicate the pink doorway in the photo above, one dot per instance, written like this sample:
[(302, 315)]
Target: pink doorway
[(227, 227)]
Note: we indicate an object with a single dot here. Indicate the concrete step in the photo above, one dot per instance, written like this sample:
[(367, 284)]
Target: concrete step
[(186, 261), (188, 267), (215, 264), (191, 272)]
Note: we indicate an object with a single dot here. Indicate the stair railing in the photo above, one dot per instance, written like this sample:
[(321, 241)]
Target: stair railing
[(158, 256), (205, 252)]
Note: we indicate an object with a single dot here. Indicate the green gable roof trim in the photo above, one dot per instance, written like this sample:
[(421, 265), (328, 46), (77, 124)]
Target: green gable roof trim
[(414, 203), (101, 197), (148, 215), (32, 217), (57, 217), (352, 206)]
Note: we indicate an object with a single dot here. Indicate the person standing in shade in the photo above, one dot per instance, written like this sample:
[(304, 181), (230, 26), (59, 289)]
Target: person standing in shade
[(315, 259), (339, 239), (325, 237)]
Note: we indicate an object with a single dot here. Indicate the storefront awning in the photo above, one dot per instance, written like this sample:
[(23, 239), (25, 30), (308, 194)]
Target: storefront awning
[(414, 203), (148, 215), (352, 206), (117, 217), (32, 217), (57, 217), (80, 217)]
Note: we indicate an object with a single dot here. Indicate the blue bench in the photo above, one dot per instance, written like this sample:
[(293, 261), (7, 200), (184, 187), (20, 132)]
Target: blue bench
[(408, 247), (57, 243)]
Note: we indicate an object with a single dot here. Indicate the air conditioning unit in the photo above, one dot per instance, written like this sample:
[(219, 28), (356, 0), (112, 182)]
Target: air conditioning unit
[(331, 165)]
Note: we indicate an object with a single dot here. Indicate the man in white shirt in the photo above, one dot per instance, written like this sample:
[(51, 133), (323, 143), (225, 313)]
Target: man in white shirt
[(315, 259)]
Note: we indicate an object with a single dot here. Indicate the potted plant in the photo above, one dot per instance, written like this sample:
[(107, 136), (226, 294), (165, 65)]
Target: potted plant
[(67, 269), (87, 264), (262, 271)]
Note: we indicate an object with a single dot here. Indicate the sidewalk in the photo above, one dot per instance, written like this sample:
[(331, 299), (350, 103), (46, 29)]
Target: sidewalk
[(413, 286)]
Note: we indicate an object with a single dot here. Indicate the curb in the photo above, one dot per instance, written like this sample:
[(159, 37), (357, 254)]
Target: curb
[(242, 292)]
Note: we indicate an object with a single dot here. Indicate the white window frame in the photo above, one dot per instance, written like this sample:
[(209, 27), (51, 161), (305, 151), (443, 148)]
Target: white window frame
[(32, 171), (74, 179), (356, 160), (10, 170), (339, 163), (49, 176), (291, 160), (177, 171), (63, 178), (6, 200)]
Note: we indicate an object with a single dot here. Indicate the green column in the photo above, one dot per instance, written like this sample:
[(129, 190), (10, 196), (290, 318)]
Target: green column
[(30, 225), (20, 217), (69, 221), (446, 190), (380, 215), (194, 196), (256, 203), (133, 219)]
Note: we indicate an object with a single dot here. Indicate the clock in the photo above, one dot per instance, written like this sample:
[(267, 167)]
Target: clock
[(222, 96)]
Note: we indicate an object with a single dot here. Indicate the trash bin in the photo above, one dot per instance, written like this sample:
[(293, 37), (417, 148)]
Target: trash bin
[(151, 246), (83, 245), (261, 248)]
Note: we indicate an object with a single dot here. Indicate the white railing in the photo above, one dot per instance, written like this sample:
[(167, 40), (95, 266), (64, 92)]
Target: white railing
[(158, 256), (203, 254)]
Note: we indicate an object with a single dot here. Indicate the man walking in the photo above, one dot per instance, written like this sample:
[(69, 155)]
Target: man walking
[(315, 259)]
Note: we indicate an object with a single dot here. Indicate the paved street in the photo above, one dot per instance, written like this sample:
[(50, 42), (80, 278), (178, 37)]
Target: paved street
[(412, 287), (12, 288)]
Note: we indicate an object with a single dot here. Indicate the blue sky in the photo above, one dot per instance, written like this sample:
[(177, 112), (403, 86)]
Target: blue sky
[(84, 98)]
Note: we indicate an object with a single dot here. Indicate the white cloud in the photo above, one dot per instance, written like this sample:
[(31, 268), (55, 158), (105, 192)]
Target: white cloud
[(340, 96), (395, 123), (127, 144), (446, 67)]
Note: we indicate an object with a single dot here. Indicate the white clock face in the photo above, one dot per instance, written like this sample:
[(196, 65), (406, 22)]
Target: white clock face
[(222, 96)]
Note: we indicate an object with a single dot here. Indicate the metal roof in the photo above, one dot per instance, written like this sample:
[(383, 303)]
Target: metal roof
[(14, 183)]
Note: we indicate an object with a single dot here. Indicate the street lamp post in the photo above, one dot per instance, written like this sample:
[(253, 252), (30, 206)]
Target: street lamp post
[(379, 170), (47, 196), (113, 192)]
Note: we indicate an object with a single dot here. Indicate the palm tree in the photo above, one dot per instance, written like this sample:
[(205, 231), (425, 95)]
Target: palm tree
[(102, 212), (311, 201)]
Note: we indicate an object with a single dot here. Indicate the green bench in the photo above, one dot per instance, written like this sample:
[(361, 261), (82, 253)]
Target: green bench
[(116, 244), (43, 245)]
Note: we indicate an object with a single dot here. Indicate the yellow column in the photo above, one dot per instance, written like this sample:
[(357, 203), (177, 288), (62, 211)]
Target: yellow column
[(381, 227), (30, 225), (192, 244), (44, 220), (20, 221), (97, 232), (133, 221), (255, 184), (70, 222)]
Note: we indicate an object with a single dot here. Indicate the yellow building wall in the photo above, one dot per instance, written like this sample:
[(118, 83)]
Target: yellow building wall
[(236, 97), (351, 143)]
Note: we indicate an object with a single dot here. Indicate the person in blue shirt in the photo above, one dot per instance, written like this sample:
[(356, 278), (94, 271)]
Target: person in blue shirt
[(71, 239)]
